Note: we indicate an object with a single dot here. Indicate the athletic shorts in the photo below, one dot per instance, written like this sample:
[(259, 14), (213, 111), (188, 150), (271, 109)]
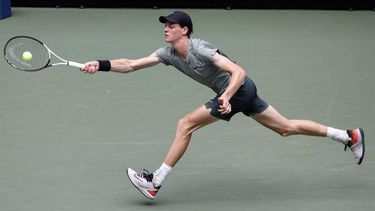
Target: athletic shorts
[(245, 100)]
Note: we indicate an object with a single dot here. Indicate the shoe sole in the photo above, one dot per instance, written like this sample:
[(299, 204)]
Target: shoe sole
[(363, 146), (140, 190)]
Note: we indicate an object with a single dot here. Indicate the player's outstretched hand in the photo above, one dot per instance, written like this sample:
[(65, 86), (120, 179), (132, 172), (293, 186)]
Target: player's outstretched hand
[(91, 67)]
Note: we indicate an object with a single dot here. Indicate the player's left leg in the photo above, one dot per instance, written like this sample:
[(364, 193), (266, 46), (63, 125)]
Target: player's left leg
[(354, 139), (273, 120)]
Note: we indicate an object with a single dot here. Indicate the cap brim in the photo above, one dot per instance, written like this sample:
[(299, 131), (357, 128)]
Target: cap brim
[(164, 19)]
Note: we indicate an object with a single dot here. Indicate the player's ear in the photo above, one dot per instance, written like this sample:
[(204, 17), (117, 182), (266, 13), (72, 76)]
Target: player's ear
[(185, 30)]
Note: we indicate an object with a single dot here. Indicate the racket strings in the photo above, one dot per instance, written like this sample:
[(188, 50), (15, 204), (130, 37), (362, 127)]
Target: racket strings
[(15, 49)]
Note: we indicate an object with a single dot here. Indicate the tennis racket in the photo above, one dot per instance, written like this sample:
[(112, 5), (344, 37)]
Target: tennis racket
[(39, 55)]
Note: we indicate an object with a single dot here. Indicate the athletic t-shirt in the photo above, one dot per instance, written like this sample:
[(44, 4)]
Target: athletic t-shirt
[(198, 64)]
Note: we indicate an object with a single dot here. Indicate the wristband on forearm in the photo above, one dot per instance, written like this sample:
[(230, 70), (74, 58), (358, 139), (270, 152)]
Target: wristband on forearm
[(104, 65)]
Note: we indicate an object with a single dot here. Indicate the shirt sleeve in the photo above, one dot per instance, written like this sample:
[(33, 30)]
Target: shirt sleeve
[(164, 55), (206, 52)]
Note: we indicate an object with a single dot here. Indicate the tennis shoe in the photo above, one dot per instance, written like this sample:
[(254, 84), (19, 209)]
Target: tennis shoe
[(143, 182), (356, 144)]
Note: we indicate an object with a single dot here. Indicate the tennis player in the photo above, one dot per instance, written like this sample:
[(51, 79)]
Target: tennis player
[(235, 92)]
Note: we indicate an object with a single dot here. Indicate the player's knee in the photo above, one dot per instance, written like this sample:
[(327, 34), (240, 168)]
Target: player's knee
[(184, 126), (284, 133), (289, 130)]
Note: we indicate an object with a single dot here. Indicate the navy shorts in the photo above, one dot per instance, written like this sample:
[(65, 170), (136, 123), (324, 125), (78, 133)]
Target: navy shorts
[(245, 100)]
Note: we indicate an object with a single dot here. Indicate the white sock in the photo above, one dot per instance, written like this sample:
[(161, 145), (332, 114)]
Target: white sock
[(161, 173), (340, 136)]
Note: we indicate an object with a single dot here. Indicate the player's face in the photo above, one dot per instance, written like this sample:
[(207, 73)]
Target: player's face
[(173, 32)]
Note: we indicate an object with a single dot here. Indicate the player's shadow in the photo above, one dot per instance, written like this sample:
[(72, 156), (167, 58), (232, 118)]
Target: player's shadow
[(246, 191), (141, 201), (263, 189)]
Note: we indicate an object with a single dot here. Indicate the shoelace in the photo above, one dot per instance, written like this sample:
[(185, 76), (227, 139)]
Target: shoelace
[(346, 146), (145, 174), (349, 144)]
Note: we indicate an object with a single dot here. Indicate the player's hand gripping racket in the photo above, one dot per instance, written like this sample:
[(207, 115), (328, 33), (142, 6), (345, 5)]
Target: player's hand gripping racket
[(29, 54)]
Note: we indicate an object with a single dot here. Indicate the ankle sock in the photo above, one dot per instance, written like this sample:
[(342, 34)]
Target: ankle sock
[(161, 173), (340, 136)]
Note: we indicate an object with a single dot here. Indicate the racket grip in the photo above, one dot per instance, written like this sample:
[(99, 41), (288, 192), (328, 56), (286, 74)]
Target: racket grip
[(75, 64)]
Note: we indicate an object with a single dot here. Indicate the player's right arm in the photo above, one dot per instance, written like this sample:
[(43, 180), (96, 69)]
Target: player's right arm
[(124, 65)]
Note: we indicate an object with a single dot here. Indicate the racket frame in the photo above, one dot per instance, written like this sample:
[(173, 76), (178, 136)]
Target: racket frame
[(50, 52)]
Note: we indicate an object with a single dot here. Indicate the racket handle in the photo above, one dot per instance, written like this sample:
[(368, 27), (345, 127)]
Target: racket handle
[(75, 64)]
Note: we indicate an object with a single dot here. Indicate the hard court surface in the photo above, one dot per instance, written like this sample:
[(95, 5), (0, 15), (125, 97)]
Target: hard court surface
[(66, 138)]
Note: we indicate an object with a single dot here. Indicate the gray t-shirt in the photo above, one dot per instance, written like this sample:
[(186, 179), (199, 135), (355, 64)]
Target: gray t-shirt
[(198, 64)]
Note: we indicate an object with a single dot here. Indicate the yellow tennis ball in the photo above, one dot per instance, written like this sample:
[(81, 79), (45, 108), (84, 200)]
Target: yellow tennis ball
[(27, 56)]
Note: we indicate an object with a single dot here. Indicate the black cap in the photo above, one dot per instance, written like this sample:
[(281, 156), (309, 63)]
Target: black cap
[(178, 17)]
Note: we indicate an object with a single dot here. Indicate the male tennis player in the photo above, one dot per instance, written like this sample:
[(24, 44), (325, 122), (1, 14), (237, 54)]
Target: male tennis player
[(235, 91)]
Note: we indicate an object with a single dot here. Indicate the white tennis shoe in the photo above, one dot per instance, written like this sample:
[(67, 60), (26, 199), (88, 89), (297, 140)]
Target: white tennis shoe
[(356, 144), (143, 182)]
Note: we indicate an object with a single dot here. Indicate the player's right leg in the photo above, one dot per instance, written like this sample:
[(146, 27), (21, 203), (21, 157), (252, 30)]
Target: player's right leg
[(200, 117), (149, 183)]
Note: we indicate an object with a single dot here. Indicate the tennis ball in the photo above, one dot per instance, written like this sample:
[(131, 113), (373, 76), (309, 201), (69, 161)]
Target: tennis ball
[(27, 56)]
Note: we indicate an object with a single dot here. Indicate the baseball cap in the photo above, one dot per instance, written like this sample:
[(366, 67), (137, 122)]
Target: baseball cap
[(179, 17)]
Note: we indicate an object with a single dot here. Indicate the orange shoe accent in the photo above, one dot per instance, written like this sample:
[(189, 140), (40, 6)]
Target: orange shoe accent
[(153, 193), (355, 137)]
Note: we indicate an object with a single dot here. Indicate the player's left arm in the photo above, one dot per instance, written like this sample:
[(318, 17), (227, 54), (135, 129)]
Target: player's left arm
[(238, 75)]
